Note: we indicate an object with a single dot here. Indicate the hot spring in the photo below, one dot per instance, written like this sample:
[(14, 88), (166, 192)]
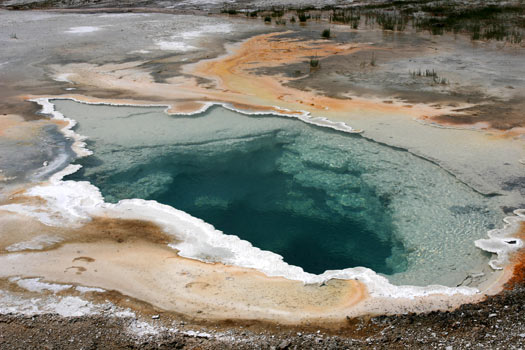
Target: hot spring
[(322, 199)]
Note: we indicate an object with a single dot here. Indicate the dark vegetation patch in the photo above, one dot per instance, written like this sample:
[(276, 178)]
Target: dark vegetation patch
[(346, 16), (314, 63), (429, 73), (480, 20), (229, 11)]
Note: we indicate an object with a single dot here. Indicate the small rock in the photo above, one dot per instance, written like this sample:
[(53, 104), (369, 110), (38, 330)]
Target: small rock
[(155, 317), (285, 344), (493, 315)]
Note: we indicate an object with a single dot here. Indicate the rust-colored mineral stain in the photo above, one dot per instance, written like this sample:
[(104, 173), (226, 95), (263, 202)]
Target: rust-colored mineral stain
[(120, 230), (518, 263), (98, 229), (235, 73), (237, 82), (105, 247), (84, 258)]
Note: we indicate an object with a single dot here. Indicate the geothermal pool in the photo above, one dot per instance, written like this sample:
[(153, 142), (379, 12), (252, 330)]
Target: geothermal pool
[(322, 199)]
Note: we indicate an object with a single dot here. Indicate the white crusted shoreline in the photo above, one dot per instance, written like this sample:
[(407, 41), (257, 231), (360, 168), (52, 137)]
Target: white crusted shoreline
[(73, 203), (48, 108)]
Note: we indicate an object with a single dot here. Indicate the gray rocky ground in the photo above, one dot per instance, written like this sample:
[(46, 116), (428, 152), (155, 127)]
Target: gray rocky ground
[(496, 323)]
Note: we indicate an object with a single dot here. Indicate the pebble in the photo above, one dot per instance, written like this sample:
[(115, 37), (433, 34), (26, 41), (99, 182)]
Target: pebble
[(284, 344)]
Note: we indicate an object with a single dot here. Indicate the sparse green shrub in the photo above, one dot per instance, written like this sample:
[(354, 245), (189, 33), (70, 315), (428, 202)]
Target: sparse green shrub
[(442, 81), (436, 79), (475, 32), (326, 33), (277, 12), (496, 21), (495, 31), (267, 19), (515, 37), (303, 17), (346, 16), (229, 11)]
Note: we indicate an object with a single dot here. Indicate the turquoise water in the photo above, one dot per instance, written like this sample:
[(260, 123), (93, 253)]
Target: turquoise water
[(251, 188), (321, 199)]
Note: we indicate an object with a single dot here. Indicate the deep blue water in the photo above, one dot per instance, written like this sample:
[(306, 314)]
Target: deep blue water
[(244, 190)]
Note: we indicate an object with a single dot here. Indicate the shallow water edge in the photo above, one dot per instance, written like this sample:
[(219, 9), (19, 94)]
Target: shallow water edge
[(378, 285)]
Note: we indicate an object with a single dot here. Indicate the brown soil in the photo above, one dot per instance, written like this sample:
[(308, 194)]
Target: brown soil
[(501, 116), (119, 230), (518, 261)]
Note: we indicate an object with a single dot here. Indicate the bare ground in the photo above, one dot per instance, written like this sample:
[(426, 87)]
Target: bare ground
[(495, 323)]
